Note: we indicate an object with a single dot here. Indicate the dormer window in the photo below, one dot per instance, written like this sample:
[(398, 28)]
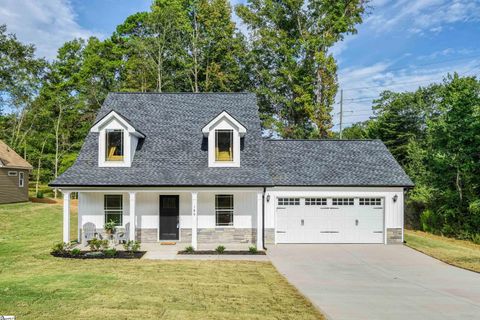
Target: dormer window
[(224, 134), (223, 145), (117, 140), (114, 145)]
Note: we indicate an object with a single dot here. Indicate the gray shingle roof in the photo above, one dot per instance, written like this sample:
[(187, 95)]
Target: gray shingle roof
[(174, 152), (333, 163)]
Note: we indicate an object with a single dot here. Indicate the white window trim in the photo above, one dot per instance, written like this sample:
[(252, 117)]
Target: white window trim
[(130, 139), (12, 173), (21, 179), (224, 121)]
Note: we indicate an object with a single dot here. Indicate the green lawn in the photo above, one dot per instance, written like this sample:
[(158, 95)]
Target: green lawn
[(460, 253), (35, 285)]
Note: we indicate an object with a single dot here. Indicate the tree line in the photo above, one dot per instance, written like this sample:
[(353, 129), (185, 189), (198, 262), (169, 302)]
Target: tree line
[(434, 132), (47, 107)]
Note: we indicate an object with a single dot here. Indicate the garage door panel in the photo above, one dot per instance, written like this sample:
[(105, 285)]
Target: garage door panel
[(319, 221)]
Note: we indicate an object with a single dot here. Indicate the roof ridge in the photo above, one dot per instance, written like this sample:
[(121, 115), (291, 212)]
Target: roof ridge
[(184, 92), (323, 140)]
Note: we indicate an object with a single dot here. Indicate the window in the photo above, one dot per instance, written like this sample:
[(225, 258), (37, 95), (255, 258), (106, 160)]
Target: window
[(370, 201), (113, 205), (21, 179), (12, 173), (342, 201), (288, 201), (114, 145), (224, 210), (315, 201), (223, 145)]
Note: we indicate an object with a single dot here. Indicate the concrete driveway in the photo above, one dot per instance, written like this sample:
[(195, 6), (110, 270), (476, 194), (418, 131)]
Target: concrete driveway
[(378, 282)]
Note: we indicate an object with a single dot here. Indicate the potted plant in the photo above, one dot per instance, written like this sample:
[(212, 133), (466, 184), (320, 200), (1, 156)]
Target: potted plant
[(109, 228)]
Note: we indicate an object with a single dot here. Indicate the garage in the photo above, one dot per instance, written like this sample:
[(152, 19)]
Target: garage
[(330, 219)]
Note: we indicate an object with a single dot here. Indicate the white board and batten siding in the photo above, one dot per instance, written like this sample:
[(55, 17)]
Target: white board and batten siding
[(91, 209), (329, 223)]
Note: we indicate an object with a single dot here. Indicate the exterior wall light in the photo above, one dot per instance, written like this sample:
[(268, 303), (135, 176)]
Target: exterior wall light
[(395, 198), (268, 198)]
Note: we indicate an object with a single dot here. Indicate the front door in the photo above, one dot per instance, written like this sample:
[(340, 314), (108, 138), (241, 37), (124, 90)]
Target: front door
[(169, 217)]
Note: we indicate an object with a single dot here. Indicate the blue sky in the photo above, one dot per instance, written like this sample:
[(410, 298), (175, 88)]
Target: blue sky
[(401, 44)]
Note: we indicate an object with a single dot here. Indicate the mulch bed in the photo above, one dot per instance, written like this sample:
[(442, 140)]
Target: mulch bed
[(101, 255), (232, 252)]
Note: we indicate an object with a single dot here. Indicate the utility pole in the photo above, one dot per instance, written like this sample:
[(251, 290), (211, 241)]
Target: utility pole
[(341, 113)]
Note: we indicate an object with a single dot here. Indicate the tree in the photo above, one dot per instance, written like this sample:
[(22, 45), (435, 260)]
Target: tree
[(295, 75), (401, 117), (20, 79), (217, 50), (359, 130)]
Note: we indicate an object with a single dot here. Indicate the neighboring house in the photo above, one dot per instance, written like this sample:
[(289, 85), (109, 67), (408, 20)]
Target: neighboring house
[(14, 171), (194, 168)]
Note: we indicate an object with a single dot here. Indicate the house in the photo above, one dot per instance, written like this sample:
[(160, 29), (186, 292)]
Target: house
[(14, 171), (194, 168)]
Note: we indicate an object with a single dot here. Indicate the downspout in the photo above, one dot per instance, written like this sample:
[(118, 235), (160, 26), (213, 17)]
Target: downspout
[(263, 218)]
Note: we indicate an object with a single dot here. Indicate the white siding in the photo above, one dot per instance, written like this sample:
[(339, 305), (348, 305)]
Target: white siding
[(90, 208)]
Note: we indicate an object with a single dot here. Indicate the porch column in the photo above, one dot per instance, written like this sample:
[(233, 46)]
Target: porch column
[(260, 220), (132, 216), (66, 216), (194, 220)]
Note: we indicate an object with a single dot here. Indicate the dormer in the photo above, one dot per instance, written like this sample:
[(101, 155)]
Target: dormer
[(224, 133), (117, 140)]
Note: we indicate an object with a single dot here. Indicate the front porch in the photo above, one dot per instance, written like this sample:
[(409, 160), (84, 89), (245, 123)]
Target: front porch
[(202, 218)]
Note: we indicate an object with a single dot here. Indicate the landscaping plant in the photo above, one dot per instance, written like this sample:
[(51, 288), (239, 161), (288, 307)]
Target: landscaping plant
[(75, 252), (189, 249), (220, 249), (59, 248), (110, 252), (95, 244), (132, 246), (252, 249)]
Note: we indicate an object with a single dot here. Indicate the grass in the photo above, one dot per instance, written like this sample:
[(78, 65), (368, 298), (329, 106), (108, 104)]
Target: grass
[(35, 285), (460, 253)]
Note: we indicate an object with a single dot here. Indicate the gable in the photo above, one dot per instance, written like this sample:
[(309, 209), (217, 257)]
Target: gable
[(224, 121)]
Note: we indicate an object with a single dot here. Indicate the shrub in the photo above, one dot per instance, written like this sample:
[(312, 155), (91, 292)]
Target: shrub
[(220, 249), (95, 244), (76, 252), (40, 195), (189, 249), (59, 248), (132, 246), (110, 252), (94, 254), (252, 249), (426, 220), (476, 238)]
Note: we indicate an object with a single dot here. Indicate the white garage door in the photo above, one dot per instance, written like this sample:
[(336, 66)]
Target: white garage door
[(329, 220)]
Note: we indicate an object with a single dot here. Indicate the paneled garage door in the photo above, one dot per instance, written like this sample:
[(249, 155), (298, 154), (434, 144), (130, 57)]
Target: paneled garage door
[(329, 220)]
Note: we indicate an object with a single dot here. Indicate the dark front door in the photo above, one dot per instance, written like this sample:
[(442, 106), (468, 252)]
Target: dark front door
[(169, 217)]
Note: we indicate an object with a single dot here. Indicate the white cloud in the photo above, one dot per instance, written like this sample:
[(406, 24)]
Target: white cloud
[(46, 24), (421, 16), (362, 85)]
